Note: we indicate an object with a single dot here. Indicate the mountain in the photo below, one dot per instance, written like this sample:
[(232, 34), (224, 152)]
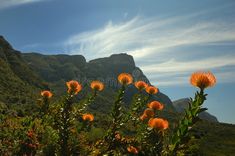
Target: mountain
[(181, 104), (33, 72), (18, 83)]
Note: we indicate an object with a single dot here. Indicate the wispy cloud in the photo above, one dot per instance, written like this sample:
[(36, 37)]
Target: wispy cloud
[(174, 66), (158, 45), (10, 3)]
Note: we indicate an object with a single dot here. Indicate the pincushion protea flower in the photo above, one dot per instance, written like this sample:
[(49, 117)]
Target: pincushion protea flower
[(202, 80), (140, 85), (156, 105), (151, 90), (46, 94), (132, 149), (30, 133), (87, 117), (143, 117), (149, 112), (73, 87), (118, 136), (158, 123), (97, 85), (125, 78)]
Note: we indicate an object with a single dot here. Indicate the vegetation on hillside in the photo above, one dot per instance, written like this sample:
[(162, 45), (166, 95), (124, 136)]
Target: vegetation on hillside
[(64, 127)]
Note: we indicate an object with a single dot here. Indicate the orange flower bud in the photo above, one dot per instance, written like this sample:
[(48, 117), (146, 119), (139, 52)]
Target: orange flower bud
[(46, 94), (151, 90), (158, 123), (156, 105), (149, 112), (87, 117), (143, 117), (118, 136), (140, 85), (125, 78), (97, 85), (73, 87), (132, 149), (30, 133), (202, 79)]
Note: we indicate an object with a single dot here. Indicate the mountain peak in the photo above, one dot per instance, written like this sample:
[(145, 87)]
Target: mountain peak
[(121, 58)]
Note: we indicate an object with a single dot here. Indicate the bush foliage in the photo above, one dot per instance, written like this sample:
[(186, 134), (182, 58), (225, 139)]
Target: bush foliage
[(64, 126)]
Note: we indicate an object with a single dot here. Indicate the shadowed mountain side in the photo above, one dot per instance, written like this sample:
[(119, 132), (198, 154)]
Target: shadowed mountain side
[(16, 63), (18, 83), (181, 104)]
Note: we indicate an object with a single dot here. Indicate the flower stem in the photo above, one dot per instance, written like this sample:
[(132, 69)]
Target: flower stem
[(189, 119)]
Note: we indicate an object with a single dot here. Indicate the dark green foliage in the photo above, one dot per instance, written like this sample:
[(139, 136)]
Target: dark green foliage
[(181, 134), (211, 138)]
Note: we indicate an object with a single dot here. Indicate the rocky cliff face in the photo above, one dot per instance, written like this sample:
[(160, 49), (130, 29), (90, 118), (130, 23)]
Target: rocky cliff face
[(181, 104)]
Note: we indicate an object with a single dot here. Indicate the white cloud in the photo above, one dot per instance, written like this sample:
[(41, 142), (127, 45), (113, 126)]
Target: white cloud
[(174, 66), (10, 3), (149, 39)]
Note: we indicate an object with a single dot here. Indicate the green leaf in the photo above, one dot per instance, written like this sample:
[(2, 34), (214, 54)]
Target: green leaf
[(185, 122)]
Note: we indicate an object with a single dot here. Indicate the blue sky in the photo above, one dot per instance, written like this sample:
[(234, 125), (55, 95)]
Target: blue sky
[(168, 39)]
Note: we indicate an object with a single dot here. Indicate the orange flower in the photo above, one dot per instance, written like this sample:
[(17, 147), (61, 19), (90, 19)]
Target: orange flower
[(118, 136), (73, 87), (149, 112), (158, 123), (97, 85), (30, 133), (203, 79), (155, 105), (132, 149), (140, 85), (151, 90), (143, 117), (46, 94), (125, 78), (87, 117)]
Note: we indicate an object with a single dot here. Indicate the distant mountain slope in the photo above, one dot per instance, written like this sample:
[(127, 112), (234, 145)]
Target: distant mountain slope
[(181, 104), (17, 82)]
